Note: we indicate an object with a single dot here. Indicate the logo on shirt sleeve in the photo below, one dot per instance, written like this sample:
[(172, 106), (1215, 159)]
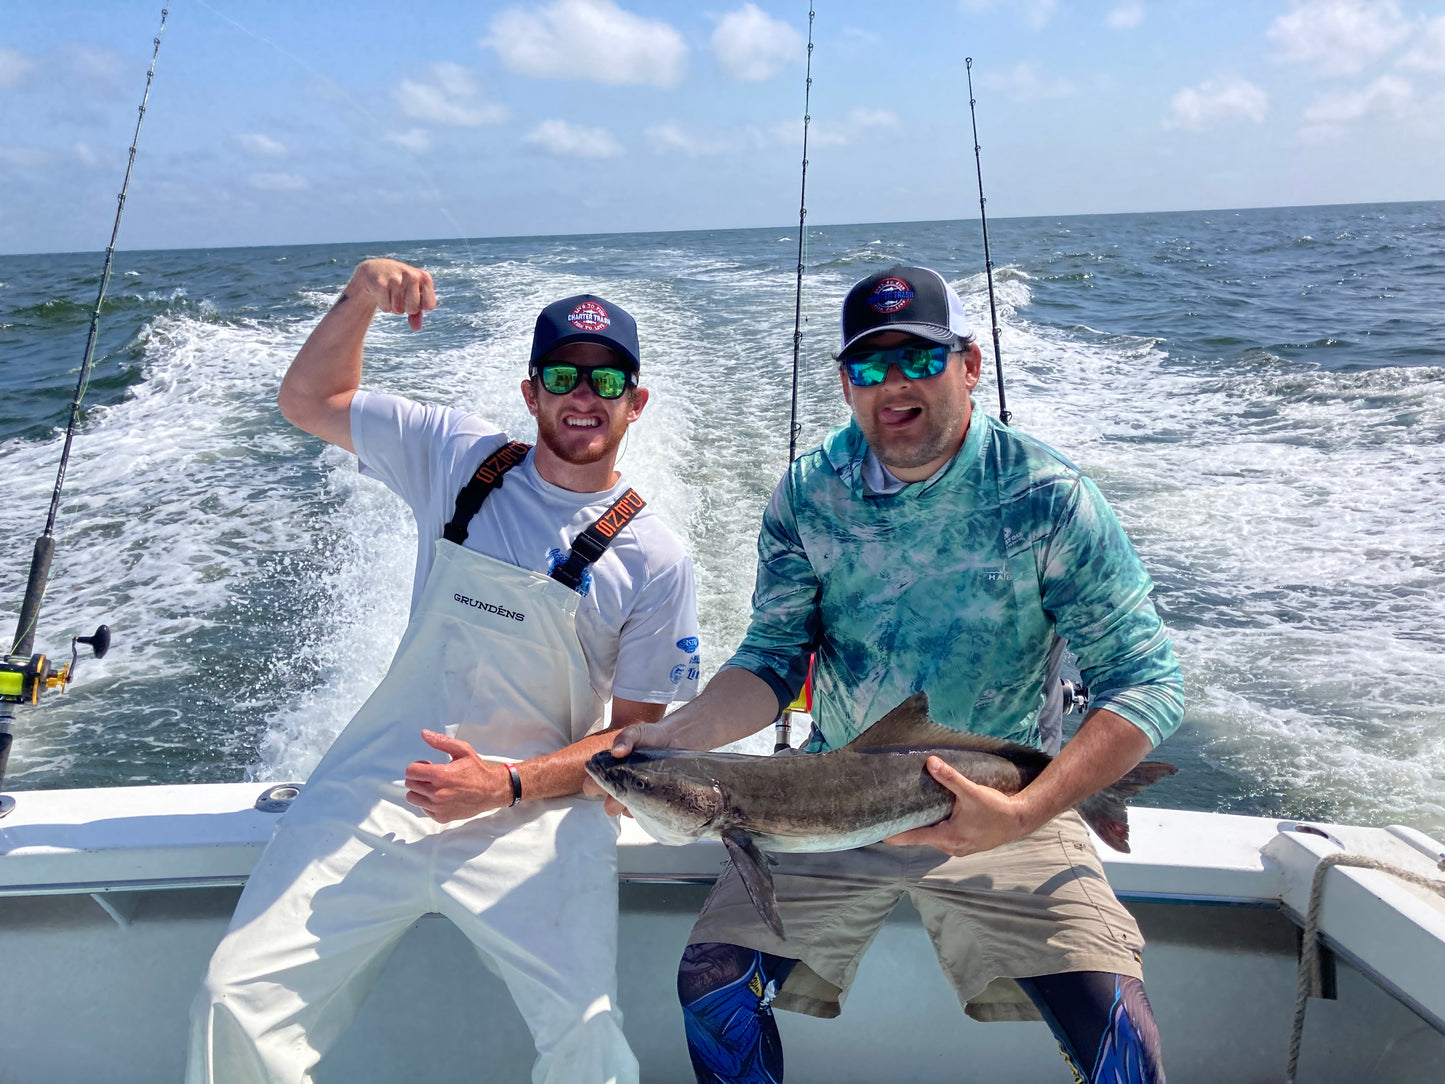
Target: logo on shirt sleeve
[(691, 670)]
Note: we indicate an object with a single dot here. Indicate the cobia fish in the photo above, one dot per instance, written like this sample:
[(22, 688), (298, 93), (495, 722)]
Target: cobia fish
[(875, 786)]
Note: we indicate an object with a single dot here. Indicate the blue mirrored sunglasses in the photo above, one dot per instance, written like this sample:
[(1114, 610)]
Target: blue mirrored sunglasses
[(869, 369)]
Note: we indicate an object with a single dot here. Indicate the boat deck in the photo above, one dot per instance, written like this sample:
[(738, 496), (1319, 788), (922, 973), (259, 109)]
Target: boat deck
[(112, 900)]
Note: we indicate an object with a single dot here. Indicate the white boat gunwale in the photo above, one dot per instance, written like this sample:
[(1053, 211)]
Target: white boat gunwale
[(148, 855)]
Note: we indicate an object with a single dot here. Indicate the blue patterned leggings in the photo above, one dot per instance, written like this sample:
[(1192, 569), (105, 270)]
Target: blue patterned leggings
[(1101, 1020)]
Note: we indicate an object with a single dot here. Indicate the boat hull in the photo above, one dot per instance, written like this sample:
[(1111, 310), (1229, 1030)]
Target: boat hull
[(112, 901)]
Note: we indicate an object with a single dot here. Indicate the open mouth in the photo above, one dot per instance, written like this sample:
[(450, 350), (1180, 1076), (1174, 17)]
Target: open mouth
[(582, 423), (899, 415)]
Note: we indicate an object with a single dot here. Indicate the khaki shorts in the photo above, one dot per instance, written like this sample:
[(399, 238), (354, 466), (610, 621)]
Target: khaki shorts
[(1037, 906)]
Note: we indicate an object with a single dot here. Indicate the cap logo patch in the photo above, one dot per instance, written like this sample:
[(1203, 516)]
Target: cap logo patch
[(590, 316), (890, 295)]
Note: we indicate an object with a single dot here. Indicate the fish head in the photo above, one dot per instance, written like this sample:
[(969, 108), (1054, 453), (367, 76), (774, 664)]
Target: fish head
[(668, 791)]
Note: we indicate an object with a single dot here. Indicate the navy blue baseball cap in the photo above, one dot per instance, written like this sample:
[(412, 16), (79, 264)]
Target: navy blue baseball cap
[(915, 300), (585, 318)]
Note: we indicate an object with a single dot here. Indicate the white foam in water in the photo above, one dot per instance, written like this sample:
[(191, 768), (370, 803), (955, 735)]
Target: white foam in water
[(164, 509), (1290, 516), (1295, 543), (350, 639), (1294, 517), (368, 591)]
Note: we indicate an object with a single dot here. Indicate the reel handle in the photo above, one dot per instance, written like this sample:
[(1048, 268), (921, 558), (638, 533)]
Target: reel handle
[(98, 641)]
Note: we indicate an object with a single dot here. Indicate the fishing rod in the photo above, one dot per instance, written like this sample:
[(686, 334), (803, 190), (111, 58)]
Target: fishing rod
[(1073, 696), (23, 675), (793, 424), (783, 726), (1003, 411)]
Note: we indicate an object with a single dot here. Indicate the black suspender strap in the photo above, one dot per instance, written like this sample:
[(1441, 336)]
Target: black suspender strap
[(488, 477), (590, 544), (593, 542)]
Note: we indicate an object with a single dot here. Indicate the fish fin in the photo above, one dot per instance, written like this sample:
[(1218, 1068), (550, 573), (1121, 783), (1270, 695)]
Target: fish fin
[(752, 867), (910, 726), (1105, 810)]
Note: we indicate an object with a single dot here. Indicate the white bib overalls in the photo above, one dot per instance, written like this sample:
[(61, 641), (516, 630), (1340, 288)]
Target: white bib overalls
[(491, 656)]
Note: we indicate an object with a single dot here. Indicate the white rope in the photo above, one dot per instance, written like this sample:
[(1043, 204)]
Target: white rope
[(1308, 977)]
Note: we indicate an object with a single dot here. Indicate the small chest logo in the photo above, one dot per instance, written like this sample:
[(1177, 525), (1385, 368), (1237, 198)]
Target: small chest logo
[(890, 295), (590, 316)]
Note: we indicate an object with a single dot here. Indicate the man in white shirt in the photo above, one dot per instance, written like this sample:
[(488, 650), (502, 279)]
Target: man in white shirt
[(534, 603)]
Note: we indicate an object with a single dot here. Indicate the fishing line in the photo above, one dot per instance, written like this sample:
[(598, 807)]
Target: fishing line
[(346, 96), (45, 544), (1003, 411)]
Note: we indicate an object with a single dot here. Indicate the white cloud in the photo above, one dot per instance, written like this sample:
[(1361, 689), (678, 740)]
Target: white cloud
[(88, 62), (263, 146), (1339, 37), (1037, 13), (13, 67), (85, 153), (1041, 12), (451, 96), (863, 117), (565, 140), (1025, 84), (278, 182), (1213, 101), (696, 142), (416, 140), (24, 158), (856, 38), (1329, 115), (827, 133), (1429, 52), (591, 40), (819, 136), (751, 45), (1126, 15)]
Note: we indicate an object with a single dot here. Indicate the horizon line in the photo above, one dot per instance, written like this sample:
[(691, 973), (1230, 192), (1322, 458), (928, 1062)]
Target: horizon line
[(717, 229)]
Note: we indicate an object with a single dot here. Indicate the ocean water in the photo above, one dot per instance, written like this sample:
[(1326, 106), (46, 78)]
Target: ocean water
[(1261, 394)]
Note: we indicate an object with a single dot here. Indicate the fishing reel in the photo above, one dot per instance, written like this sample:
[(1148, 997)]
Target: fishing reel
[(22, 679), (1076, 697), (803, 704)]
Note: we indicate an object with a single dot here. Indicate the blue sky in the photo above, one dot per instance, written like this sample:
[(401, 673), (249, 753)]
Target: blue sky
[(284, 123)]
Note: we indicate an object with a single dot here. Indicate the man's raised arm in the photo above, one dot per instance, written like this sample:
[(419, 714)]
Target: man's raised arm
[(317, 390)]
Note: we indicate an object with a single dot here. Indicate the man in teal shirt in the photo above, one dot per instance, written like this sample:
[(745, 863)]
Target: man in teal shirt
[(928, 547)]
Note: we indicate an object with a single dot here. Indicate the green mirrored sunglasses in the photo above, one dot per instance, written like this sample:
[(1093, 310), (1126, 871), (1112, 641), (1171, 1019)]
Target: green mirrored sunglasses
[(606, 381), (869, 369)]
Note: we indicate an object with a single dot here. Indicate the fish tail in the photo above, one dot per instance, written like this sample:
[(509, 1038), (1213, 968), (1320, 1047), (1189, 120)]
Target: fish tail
[(1106, 811)]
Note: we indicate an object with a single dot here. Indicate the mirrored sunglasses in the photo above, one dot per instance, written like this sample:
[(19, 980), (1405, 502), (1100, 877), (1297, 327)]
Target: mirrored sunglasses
[(869, 369), (606, 381)]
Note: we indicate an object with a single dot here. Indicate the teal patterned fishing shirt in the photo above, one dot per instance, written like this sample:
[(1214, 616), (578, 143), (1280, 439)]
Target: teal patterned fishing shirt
[(959, 586)]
